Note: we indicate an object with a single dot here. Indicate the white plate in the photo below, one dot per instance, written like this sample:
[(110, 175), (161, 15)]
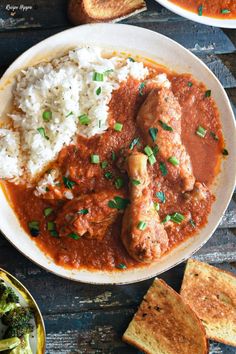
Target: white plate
[(140, 41), (206, 20)]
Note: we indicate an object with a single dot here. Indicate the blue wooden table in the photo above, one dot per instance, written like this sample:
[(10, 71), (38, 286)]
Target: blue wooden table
[(90, 319)]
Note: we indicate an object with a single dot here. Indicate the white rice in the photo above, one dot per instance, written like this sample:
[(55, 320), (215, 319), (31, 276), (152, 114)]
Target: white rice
[(9, 154)]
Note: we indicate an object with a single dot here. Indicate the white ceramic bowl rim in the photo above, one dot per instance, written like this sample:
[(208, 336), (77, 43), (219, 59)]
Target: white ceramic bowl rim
[(146, 43)]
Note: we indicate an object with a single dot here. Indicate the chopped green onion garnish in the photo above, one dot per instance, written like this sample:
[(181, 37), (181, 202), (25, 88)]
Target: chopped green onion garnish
[(166, 219), (201, 131), (153, 133), (142, 225), (118, 203), (155, 150), (83, 211), (47, 116), (190, 84), (95, 159), (165, 126), (177, 218), (173, 160), (141, 88), (99, 123), (107, 72), (192, 223), (119, 183), (73, 235), (156, 206), (133, 143), (104, 164), (163, 169), (69, 114), (41, 131), (54, 233), (34, 228), (68, 183), (208, 93), (225, 152), (108, 175), (84, 119), (98, 91), (135, 182), (113, 156), (148, 150), (121, 266), (118, 127), (51, 226), (131, 59), (98, 76), (48, 211), (214, 136), (225, 11), (200, 10), (152, 159), (161, 196)]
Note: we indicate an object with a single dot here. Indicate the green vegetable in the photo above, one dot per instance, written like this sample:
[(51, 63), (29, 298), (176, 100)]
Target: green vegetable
[(51, 226), (166, 219), (9, 343), (190, 84), (177, 218), (83, 211), (68, 183), (98, 76), (214, 136), (200, 10), (173, 160), (98, 91), (107, 72), (142, 225), (192, 223), (155, 150), (165, 126), (153, 133), (95, 159), (133, 143), (73, 235), (8, 299), (108, 175), (48, 211), (152, 159), (208, 93), (34, 228), (225, 11), (161, 196), (54, 233), (41, 131), (24, 347), (118, 203), (119, 183), (84, 119), (113, 156), (104, 164), (69, 114), (148, 150), (163, 169), (201, 131), (121, 266), (225, 152), (131, 59), (156, 206), (118, 127), (135, 182), (47, 116), (141, 88)]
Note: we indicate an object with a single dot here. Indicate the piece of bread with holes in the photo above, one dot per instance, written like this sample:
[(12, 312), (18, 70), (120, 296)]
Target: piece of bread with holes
[(211, 293), (87, 11), (164, 324)]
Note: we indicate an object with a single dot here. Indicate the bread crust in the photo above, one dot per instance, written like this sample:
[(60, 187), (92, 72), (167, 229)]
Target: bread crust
[(78, 12)]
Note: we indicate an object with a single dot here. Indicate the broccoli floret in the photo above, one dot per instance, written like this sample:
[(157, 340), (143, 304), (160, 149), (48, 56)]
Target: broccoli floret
[(24, 347), (17, 317), (18, 330), (8, 299)]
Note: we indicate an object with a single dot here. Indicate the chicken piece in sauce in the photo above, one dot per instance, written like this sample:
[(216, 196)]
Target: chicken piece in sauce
[(143, 236), (88, 215), (162, 111)]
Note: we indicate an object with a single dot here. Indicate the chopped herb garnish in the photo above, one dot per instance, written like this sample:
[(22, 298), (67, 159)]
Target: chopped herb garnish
[(118, 127), (201, 131), (156, 206), (68, 183), (214, 136), (141, 88), (225, 152), (190, 84), (177, 218), (135, 182), (119, 182), (69, 114), (113, 156), (225, 11), (83, 211), (133, 143), (107, 72), (34, 228), (163, 168), (74, 236), (47, 116), (148, 150), (152, 159), (54, 233), (192, 223), (131, 59), (153, 133), (155, 150), (104, 164), (41, 131), (95, 159), (165, 126), (161, 196), (98, 76), (142, 225), (98, 91), (108, 175), (166, 219), (208, 93), (173, 160), (121, 266), (51, 226), (84, 119), (200, 10), (48, 211), (118, 203)]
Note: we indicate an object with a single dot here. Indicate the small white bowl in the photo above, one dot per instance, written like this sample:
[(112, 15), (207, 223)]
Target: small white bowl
[(206, 20), (163, 50)]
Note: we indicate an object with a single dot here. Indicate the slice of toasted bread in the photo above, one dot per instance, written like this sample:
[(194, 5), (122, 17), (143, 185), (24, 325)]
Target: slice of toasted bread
[(87, 11), (211, 292), (164, 324)]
